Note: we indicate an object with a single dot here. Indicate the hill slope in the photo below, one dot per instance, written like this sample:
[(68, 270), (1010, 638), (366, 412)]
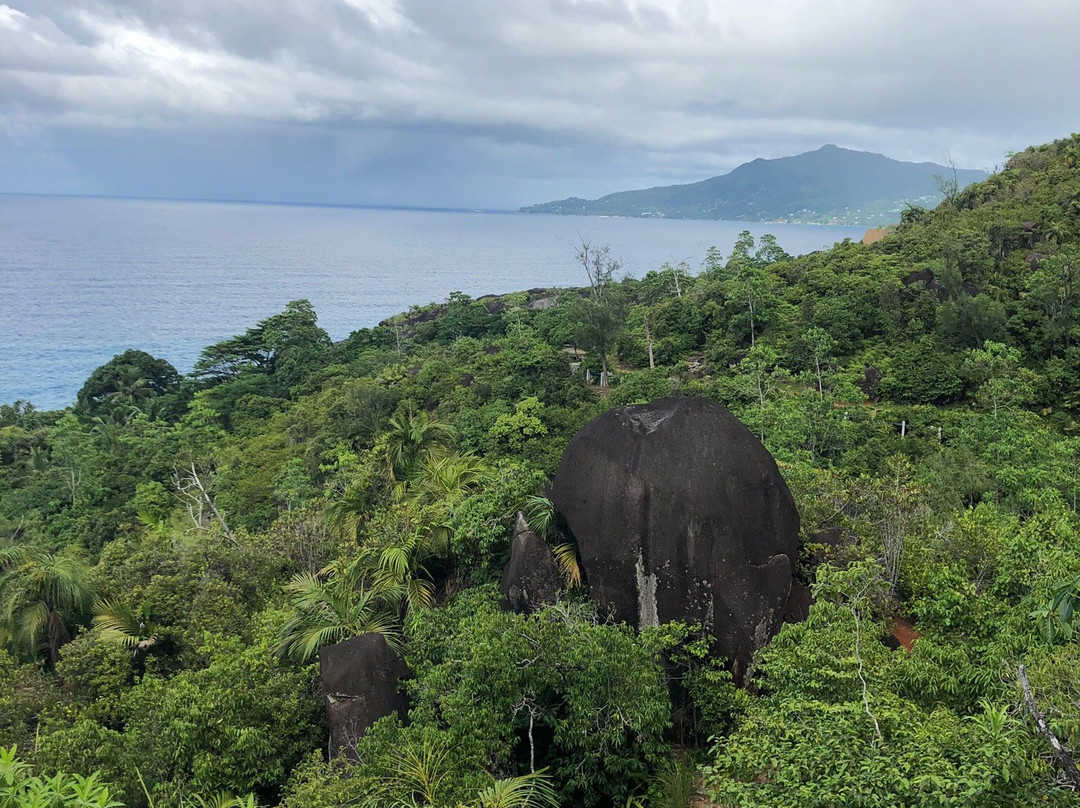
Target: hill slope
[(921, 397), (830, 184)]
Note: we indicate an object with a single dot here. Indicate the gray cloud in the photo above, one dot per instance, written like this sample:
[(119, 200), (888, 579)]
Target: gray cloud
[(446, 102)]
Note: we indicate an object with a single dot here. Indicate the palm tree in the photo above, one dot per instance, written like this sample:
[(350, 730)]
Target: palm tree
[(446, 479), (351, 510), (410, 438), (330, 611), (414, 529), (399, 564), (126, 625), (531, 790), (1057, 228), (419, 769), (132, 389), (412, 777), (39, 593), (540, 515)]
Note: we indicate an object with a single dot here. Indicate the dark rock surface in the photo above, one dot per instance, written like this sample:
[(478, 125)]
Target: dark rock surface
[(798, 604), (869, 382), (927, 278), (361, 680), (681, 514), (826, 544), (1035, 258), (924, 276), (530, 579)]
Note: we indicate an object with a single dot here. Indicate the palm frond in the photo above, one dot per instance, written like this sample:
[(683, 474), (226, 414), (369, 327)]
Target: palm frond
[(350, 511), (28, 625), (422, 770), (39, 590), (540, 514), (122, 624), (328, 612), (395, 561), (420, 594), (526, 791), (566, 556)]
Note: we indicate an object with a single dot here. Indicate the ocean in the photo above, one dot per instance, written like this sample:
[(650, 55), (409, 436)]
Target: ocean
[(83, 279)]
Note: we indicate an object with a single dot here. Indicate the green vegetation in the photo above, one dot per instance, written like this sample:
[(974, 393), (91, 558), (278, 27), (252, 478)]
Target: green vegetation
[(827, 186), (174, 551)]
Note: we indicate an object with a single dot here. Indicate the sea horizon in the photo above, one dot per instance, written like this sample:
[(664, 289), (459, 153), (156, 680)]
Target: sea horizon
[(86, 277)]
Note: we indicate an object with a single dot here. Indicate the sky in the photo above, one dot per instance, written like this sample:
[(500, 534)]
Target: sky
[(495, 104)]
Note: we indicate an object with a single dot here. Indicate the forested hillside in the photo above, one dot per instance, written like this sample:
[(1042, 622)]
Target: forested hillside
[(828, 185), (175, 550)]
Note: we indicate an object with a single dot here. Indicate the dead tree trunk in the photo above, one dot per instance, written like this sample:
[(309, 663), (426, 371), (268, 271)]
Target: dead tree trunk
[(1061, 754), (648, 341), (197, 495)]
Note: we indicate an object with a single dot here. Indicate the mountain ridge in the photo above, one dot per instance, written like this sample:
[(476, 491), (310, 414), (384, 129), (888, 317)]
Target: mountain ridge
[(829, 185)]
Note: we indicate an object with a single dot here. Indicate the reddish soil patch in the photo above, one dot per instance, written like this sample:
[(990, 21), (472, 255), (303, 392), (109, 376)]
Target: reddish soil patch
[(874, 235), (904, 633)]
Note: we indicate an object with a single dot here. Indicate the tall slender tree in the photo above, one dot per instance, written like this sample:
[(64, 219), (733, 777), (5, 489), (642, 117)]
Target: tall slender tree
[(40, 594)]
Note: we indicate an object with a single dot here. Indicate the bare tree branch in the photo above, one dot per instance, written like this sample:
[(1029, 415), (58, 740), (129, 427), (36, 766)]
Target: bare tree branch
[(197, 497), (1061, 754)]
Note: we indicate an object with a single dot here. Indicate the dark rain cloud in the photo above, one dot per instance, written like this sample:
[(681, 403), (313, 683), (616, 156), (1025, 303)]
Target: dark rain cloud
[(446, 102)]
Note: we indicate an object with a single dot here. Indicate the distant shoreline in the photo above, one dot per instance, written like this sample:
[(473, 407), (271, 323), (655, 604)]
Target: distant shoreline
[(703, 219), (272, 203), (493, 211)]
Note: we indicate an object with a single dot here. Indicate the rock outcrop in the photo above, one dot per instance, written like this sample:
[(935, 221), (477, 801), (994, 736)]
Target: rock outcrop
[(680, 513), (869, 383), (800, 599), (361, 679), (530, 579)]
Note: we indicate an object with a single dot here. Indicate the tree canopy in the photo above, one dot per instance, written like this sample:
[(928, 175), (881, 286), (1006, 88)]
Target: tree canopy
[(175, 551)]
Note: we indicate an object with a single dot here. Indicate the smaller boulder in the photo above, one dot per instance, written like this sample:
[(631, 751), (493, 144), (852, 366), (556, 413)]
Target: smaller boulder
[(923, 276), (1035, 258), (869, 383), (530, 579), (825, 544), (361, 682), (798, 604)]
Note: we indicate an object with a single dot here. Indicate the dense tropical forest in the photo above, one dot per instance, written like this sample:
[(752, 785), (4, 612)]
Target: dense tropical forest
[(174, 550)]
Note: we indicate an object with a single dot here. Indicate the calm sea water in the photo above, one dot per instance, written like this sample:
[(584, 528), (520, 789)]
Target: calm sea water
[(84, 279)]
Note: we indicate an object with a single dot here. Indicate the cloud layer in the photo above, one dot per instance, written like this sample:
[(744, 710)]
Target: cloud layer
[(447, 102)]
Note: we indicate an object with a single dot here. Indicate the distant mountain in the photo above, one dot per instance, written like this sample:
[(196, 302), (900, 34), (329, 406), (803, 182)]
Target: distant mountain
[(829, 185)]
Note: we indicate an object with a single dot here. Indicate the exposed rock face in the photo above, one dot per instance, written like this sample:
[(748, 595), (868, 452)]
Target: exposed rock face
[(869, 382), (681, 514), (530, 579), (1035, 258), (798, 604), (927, 278), (827, 543), (361, 679)]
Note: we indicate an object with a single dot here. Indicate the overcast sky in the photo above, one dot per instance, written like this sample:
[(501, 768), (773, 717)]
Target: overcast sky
[(502, 103)]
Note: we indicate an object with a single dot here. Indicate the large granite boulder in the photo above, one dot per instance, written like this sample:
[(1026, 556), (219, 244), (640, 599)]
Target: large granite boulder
[(530, 579), (361, 679), (681, 514)]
